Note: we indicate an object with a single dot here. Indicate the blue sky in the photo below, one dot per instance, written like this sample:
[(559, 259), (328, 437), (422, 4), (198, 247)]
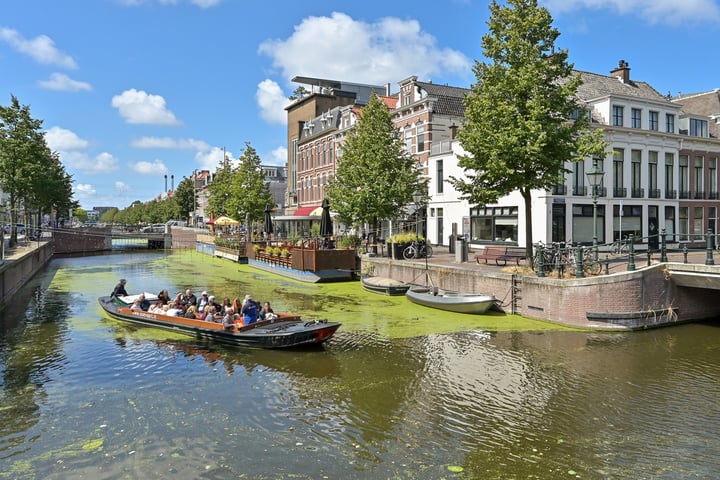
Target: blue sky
[(132, 90)]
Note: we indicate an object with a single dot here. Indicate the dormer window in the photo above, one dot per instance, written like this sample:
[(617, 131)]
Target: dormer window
[(698, 128)]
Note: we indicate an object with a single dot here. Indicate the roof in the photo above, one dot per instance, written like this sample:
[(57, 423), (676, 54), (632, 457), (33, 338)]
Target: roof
[(450, 100), (595, 86)]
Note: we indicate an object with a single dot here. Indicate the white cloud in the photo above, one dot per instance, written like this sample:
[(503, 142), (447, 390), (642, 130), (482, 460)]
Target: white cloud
[(61, 139), (170, 143), (138, 107), (102, 163), (272, 102), (209, 160), (156, 167), (653, 11), (278, 156), (122, 186), (63, 83), (41, 48), (374, 53), (84, 190)]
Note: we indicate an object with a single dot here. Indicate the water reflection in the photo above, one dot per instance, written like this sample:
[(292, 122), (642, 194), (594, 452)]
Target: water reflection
[(87, 396)]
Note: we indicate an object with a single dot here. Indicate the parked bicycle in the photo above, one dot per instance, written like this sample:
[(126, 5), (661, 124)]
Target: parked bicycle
[(620, 247), (558, 256), (417, 250)]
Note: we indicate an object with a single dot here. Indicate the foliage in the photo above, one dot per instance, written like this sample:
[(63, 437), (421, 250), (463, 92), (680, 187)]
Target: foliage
[(520, 129), (256, 248), (183, 200), (108, 216), (32, 176), (403, 237), (315, 230), (250, 191), (276, 251), (220, 190), (299, 92), (80, 214), (375, 176), (232, 243), (349, 241), (285, 252)]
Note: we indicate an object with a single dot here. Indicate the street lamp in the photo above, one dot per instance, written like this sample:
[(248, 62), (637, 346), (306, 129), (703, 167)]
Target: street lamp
[(417, 198), (595, 178)]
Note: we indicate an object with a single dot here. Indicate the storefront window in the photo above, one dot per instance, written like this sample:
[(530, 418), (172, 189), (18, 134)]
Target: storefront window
[(494, 224)]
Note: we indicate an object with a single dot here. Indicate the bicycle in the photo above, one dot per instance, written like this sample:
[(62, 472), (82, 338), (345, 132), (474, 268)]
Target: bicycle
[(417, 250), (620, 247)]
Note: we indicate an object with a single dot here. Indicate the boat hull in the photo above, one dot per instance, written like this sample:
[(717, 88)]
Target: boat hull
[(288, 331), (384, 285), (451, 302)]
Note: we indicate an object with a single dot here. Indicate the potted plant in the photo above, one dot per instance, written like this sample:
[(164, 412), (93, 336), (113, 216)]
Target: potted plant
[(285, 253), (398, 242), (276, 251)]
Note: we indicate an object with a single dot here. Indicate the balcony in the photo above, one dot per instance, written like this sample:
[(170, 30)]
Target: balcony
[(670, 194), (579, 191), (620, 192), (699, 196), (654, 193), (637, 193), (712, 195), (559, 190), (684, 194)]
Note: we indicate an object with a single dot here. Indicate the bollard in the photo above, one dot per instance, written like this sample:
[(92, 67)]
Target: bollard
[(631, 253), (579, 273), (709, 253), (541, 261), (685, 252), (607, 264), (663, 247), (649, 255)]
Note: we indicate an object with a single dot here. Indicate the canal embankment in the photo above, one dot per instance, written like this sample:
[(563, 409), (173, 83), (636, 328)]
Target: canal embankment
[(20, 263)]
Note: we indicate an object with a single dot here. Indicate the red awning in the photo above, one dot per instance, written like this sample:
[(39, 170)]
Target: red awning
[(303, 211)]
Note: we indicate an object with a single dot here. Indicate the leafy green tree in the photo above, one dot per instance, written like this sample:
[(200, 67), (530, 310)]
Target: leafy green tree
[(520, 129), (108, 216), (80, 214), (184, 200), (299, 93), (219, 190), (375, 177), (250, 191)]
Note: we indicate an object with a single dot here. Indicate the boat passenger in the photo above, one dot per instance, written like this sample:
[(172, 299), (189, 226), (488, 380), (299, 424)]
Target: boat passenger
[(226, 303), (250, 310), (228, 320), (178, 299), (144, 302), (267, 312), (157, 308), (189, 298), (136, 305), (190, 312), (119, 290), (202, 302), (213, 303), (164, 297), (172, 310)]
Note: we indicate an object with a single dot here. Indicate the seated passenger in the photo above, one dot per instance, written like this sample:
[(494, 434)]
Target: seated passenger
[(137, 305), (144, 302), (202, 302), (228, 320), (267, 312), (190, 312), (164, 297), (172, 310)]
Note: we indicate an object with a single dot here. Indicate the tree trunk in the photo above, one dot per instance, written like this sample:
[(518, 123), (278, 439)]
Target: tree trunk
[(528, 223)]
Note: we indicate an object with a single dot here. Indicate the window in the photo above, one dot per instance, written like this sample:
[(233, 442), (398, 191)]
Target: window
[(698, 221), (579, 178), (684, 224), (636, 160), (684, 177), (670, 223), (439, 176), (618, 182), (420, 132), (654, 121), (494, 224), (636, 118), (652, 174), (669, 179), (408, 140), (698, 128), (712, 179), (582, 223), (699, 192), (617, 116), (669, 123)]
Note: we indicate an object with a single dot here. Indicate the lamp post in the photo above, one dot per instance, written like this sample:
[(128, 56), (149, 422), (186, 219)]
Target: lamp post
[(417, 198), (595, 178)]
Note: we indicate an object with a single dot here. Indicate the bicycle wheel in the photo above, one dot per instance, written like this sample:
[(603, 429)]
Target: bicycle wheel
[(428, 251), (592, 267), (409, 252)]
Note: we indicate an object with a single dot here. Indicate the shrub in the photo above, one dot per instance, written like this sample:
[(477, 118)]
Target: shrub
[(276, 251), (285, 252), (350, 241)]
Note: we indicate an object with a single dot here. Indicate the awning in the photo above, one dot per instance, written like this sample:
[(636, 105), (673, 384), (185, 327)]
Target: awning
[(317, 212), (304, 211)]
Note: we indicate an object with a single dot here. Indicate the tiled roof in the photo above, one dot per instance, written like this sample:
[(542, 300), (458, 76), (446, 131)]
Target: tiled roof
[(450, 100), (595, 86)]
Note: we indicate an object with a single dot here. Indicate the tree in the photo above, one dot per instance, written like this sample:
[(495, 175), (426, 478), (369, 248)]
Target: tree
[(250, 191), (184, 199), (520, 129), (375, 177), (298, 93), (219, 189), (80, 214)]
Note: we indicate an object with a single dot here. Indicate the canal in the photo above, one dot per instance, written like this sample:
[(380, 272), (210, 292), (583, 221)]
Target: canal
[(401, 391)]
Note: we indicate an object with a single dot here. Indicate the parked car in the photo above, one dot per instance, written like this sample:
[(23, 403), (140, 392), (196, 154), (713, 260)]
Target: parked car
[(20, 227), (176, 223), (155, 228)]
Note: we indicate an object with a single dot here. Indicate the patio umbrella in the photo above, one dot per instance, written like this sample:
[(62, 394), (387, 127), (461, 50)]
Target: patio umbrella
[(268, 227), (326, 226), (224, 221)]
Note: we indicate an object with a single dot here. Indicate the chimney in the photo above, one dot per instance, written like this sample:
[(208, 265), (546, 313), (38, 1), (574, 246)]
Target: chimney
[(622, 72)]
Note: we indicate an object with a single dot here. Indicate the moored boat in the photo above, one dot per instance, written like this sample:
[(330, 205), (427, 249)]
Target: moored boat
[(383, 285), (286, 331), (451, 301)]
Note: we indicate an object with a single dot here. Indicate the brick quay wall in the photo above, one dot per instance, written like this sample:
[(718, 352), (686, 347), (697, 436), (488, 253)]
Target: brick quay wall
[(643, 298)]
